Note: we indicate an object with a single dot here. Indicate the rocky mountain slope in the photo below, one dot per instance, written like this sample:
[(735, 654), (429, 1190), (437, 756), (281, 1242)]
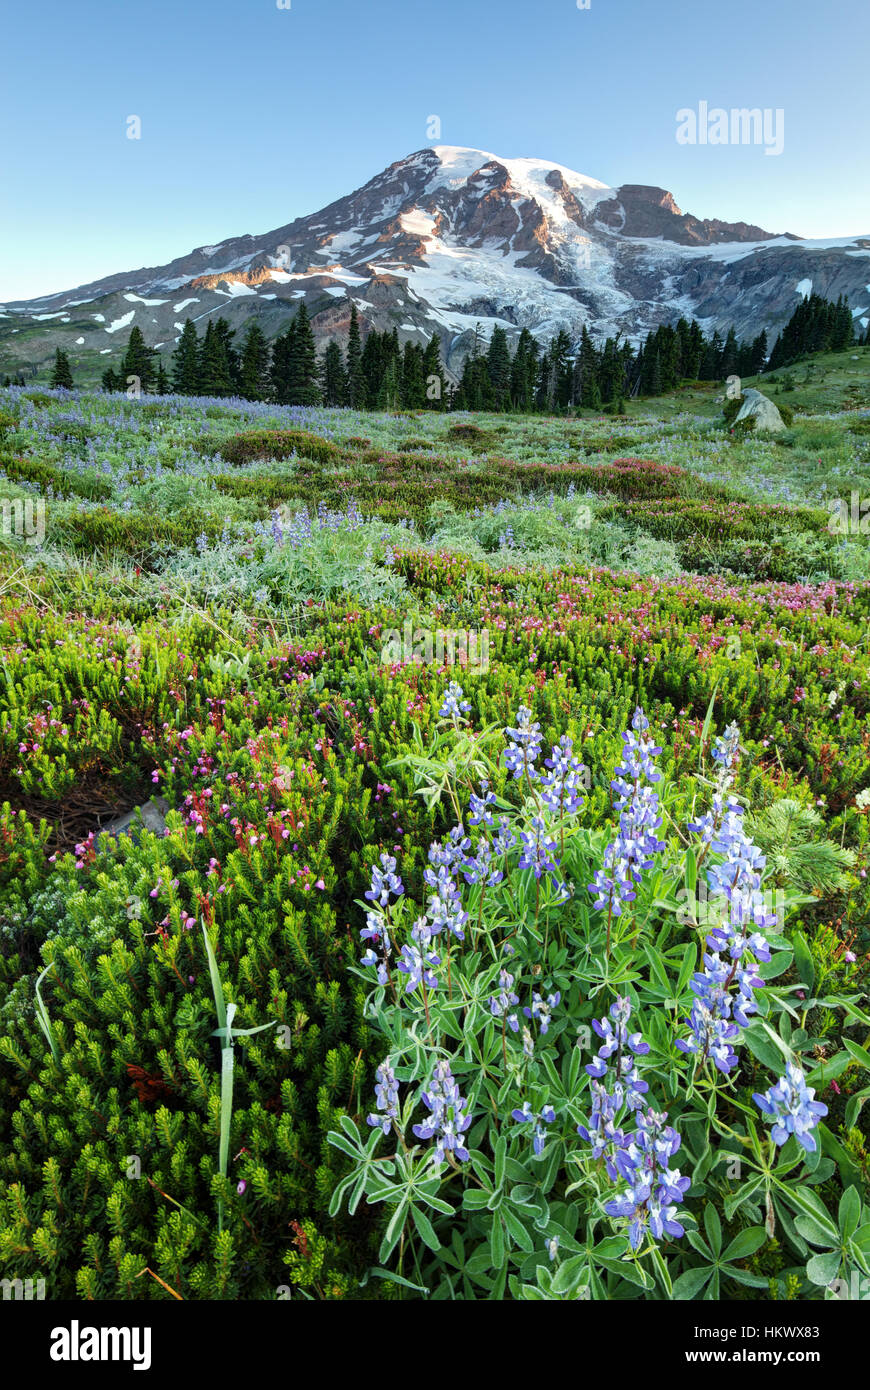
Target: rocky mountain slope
[(447, 239)]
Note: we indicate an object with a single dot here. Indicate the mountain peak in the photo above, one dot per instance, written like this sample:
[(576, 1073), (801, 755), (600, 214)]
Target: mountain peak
[(448, 240)]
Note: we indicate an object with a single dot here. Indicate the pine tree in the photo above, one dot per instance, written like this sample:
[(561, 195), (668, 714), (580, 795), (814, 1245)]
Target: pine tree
[(283, 364), (498, 364), (254, 365), (110, 379), (563, 370), (61, 374), (214, 366), (389, 395), (304, 377), (356, 381), (524, 372), (413, 386), (433, 375), (138, 362), (334, 376), (162, 383), (590, 391), (185, 362)]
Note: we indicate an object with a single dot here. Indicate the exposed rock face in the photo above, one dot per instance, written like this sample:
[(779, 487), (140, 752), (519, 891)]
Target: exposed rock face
[(444, 239), (641, 211), (759, 408)]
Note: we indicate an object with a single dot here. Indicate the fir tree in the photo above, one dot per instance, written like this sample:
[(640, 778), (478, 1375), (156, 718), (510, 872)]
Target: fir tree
[(61, 374), (254, 365), (433, 375), (356, 378), (214, 367), (498, 365), (185, 362), (138, 362), (334, 376), (304, 376)]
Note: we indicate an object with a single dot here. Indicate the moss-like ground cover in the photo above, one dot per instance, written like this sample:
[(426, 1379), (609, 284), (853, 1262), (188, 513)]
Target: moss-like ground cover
[(206, 620)]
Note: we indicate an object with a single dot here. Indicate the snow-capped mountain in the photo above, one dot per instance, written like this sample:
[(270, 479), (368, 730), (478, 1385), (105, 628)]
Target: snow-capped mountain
[(451, 238)]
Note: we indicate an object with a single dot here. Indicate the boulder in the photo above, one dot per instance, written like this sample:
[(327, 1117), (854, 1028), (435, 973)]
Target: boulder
[(760, 409)]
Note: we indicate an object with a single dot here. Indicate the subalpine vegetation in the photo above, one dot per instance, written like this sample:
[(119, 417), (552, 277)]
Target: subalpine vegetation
[(589, 912)]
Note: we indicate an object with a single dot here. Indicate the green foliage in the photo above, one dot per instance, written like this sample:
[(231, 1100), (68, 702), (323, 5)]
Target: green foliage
[(160, 642)]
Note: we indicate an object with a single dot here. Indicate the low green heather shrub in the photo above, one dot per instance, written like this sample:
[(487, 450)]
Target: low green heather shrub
[(277, 444)]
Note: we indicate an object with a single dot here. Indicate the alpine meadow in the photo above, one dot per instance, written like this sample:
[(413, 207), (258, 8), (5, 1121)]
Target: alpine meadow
[(435, 691)]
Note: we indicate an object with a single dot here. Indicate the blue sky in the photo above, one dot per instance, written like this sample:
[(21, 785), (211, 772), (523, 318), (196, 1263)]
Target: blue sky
[(252, 115)]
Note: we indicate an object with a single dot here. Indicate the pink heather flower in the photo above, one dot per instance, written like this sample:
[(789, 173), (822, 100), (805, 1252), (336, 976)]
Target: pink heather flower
[(850, 957), (320, 884)]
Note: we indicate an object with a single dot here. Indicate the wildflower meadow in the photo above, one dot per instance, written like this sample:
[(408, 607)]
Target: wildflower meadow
[(433, 855)]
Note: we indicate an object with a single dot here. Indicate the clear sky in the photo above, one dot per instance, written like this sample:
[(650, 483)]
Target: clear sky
[(252, 115)]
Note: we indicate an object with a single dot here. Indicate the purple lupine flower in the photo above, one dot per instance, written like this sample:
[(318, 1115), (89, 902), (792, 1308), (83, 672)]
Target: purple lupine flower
[(445, 911), (559, 789), (501, 1003), (524, 745), (479, 805), (648, 1202), (538, 849), (631, 852), (453, 706), (385, 881), (546, 1116), (726, 747), (377, 955), (794, 1111), (504, 839), (448, 856), (417, 965), (386, 1098), (447, 1121), (480, 868), (542, 1008)]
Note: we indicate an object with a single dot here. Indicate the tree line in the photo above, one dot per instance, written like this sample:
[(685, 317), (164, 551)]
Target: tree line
[(379, 374)]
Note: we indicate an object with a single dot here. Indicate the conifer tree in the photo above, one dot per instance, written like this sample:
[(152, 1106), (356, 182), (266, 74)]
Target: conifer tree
[(185, 362), (61, 374), (254, 364), (283, 365), (433, 375), (590, 391), (498, 363), (138, 361), (214, 367), (413, 386), (304, 376), (356, 378), (334, 376)]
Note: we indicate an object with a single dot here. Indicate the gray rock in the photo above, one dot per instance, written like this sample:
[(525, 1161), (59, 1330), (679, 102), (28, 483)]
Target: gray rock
[(150, 816), (760, 409)]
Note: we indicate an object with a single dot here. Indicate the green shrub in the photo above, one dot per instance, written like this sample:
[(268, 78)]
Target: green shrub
[(277, 444)]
